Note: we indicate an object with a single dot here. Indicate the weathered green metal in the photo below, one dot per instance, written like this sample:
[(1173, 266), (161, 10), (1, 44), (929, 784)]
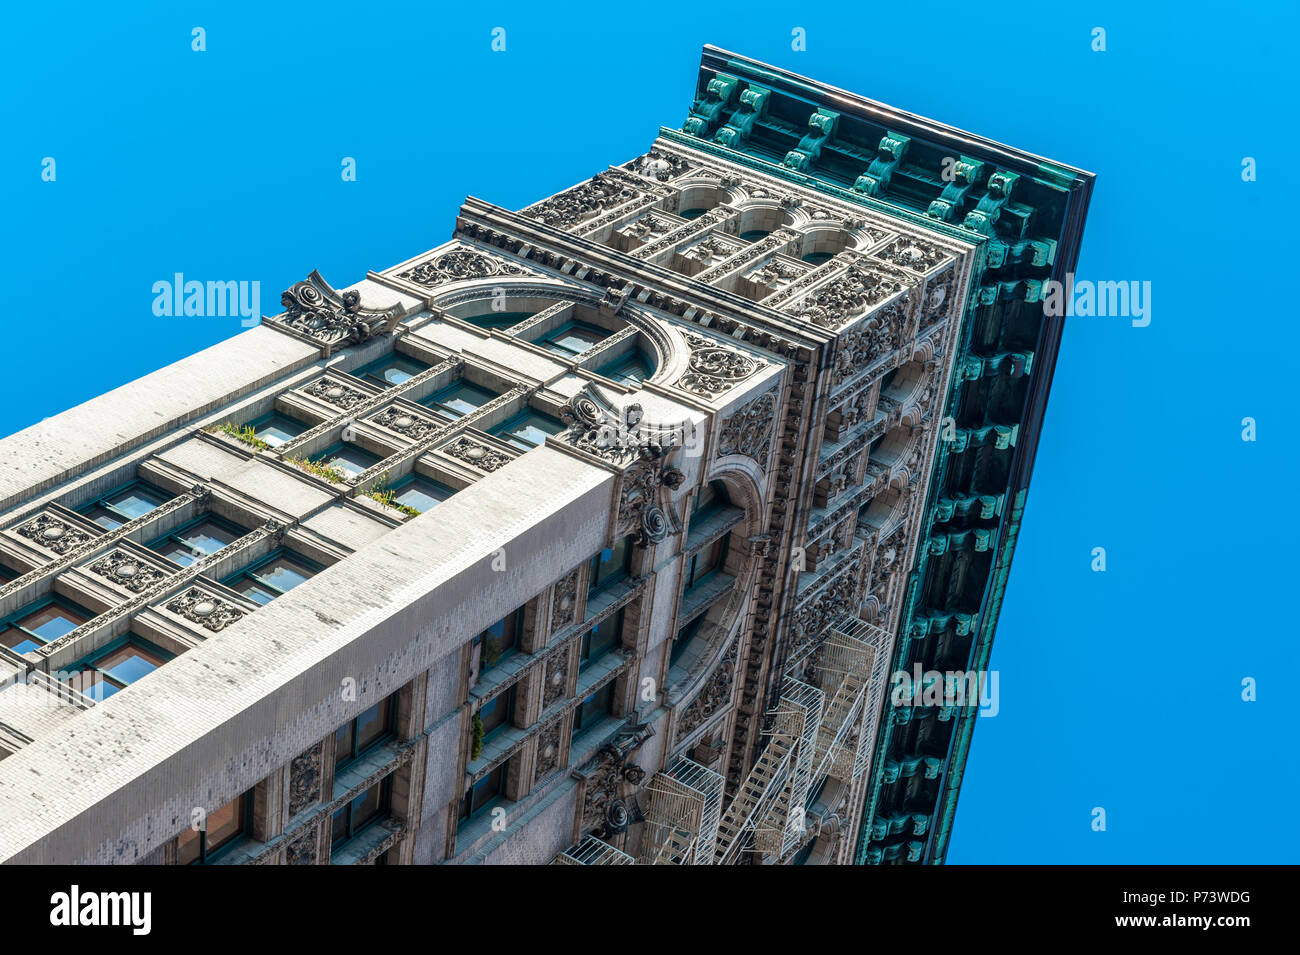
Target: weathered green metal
[(1027, 215)]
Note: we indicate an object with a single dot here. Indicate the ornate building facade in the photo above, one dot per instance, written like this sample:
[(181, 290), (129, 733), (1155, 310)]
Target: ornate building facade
[(590, 536)]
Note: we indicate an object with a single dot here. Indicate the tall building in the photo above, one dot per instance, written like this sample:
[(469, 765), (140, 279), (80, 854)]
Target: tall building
[(591, 536)]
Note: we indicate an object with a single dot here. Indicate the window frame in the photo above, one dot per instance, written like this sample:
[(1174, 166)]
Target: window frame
[(277, 554), (585, 659), (102, 502), (384, 811), (204, 518), (479, 639), (324, 457), (435, 401), (209, 856), (547, 341), (87, 663), (579, 724), (388, 707), (597, 583), (366, 374), (265, 419), (503, 430), (466, 811), (11, 621)]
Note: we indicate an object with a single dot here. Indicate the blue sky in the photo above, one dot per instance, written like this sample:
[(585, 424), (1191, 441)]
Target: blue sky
[(1120, 689)]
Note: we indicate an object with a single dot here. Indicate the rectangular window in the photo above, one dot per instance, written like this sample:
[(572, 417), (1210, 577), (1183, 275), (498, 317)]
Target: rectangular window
[(684, 638), (198, 539), (420, 493), (705, 562), (496, 712), (222, 829), (610, 566), (459, 399), (346, 458), (594, 708), (355, 737), (39, 623), (630, 370), (126, 503), (394, 369), (277, 429), (365, 809), (115, 668), (501, 639), (600, 640), (528, 430), (272, 576), (572, 338), (483, 793)]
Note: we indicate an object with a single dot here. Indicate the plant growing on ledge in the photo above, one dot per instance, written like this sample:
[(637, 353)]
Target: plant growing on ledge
[(333, 475), (247, 434), (384, 495), (476, 739)]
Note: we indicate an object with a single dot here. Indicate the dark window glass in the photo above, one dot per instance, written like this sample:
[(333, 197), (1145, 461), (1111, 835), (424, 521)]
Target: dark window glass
[(753, 235), (483, 793), (459, 399), (495, 713), (365, 809), (591, 710), (366, 731), (500, 639), (694, 213), (684, 637), (705, 562), (601, 639), (817, 258), (528, 430), (610, 565)]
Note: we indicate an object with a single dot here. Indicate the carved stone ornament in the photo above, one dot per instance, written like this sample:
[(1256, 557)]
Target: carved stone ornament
[(748, 430), (53, 533), (604, 191), (836, 599), (603, 809), (713, 369), (858, 290), (314, 310), (303, 848), (548, 749), (406, 423), (658, 165), (335, 393), (127, 571), (210, 612), (477, 455), (564, 604), (305, 780), (459, 265), (713, 697), (619, 437)]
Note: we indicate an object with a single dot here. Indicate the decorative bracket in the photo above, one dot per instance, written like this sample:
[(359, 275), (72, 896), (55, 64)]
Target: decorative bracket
[(316, 312)]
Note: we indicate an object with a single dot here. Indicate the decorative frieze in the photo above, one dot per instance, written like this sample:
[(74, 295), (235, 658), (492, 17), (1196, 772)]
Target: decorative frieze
[(713, 369), (407, 423), (53, 533), (476, 454), (852, 293), (209, 612), (604, 191), (715, 695), (459, 265), (748, 430), (127, 570), (913, 254), (659, 164), (336, 393), (303, 848)]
